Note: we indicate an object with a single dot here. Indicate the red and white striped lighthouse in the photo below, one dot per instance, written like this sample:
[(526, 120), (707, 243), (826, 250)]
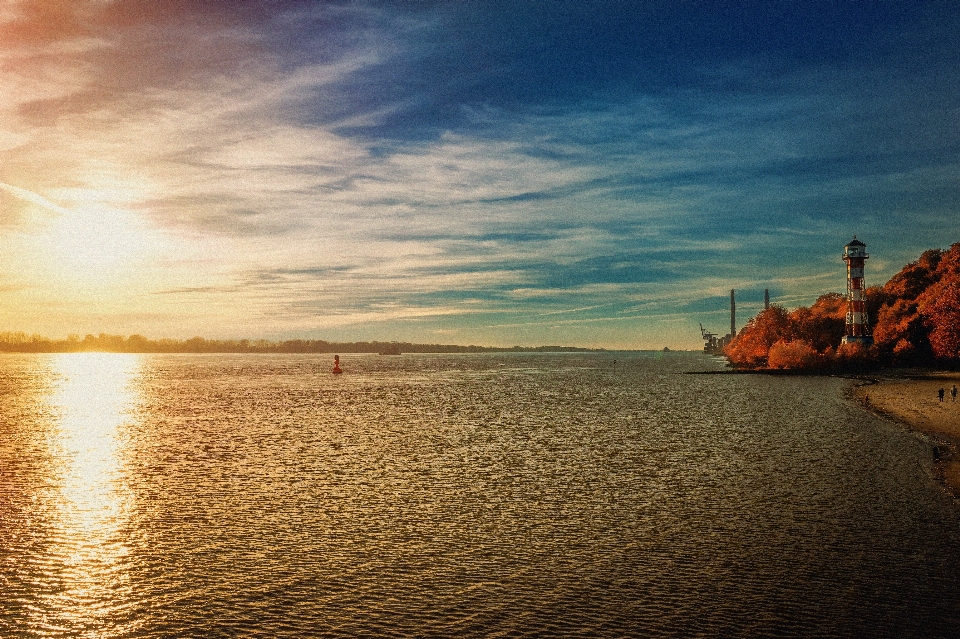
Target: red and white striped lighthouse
[(858, 329)]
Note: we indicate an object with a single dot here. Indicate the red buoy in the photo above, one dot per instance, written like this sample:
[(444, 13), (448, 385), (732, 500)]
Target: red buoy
[(336, 365)]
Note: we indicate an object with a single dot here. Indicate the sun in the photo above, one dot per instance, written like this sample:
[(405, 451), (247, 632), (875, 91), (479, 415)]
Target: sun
[(95, 242), (94, 238)]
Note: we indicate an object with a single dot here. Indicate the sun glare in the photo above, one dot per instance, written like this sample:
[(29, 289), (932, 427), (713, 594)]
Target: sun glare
[(95, 243), (92, 399), (90, 234)]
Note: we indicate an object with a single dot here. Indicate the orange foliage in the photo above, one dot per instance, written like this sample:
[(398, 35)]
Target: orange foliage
[(900, 327), (915, 319), (919, 318), (942, 316), (914, 278), (854, 352), (945, 336), (777, 339), (752, 344), (798, 354), (821, 325)]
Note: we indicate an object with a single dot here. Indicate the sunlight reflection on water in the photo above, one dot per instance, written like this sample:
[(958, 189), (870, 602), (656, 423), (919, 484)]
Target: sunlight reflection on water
[(93, 395), (472, 496)]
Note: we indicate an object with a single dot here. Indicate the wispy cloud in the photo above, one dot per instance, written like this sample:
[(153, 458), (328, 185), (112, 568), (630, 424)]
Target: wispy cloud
[(33, 198), (403, 170)]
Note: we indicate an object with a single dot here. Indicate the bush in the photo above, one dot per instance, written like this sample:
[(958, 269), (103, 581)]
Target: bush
[(798, 354)]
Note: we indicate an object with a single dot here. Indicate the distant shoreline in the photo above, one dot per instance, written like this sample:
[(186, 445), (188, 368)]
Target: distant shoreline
[(19, 342)]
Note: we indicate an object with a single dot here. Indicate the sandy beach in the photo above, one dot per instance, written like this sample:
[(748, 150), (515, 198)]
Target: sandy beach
[(913, 400)]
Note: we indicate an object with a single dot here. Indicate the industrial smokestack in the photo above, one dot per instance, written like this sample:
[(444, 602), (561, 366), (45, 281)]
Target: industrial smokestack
[(766, 298), (733, 315)]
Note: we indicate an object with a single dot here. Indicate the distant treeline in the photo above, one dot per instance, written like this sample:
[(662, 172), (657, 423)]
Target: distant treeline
[(18, 342)]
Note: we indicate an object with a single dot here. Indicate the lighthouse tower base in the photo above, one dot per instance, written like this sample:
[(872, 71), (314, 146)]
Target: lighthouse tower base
[(863, 340)]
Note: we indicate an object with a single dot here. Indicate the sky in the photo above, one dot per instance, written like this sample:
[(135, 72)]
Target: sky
[(595, 174)]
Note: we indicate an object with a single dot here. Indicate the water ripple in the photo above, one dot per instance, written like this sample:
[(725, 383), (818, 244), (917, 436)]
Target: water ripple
[(474, 496)]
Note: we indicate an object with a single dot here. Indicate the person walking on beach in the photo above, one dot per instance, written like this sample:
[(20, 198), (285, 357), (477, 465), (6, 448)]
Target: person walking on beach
[(940, 394), (953, 392)]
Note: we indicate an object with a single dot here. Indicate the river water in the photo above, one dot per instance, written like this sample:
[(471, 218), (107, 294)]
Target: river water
[(508, 495)]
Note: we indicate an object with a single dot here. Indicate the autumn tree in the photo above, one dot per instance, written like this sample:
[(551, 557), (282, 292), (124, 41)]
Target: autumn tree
[(942, 316), (752, 345), (915, 320), (822, 325), (796, 354), (939, 306), (918, 318), (900, 330)]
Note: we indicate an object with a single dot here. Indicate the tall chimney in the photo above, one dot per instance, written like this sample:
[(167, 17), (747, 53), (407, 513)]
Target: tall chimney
[(766, 298), (733, 315)]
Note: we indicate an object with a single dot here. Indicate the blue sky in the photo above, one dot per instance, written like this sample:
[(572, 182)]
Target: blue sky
[(498, 173)]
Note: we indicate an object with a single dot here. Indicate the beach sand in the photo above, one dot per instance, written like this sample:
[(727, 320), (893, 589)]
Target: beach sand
[(912, 400)]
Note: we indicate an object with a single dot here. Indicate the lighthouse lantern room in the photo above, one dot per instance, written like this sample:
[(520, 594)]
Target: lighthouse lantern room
[(857, 329)]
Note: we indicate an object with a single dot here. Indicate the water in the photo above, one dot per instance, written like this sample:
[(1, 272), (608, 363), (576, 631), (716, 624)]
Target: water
[(508, 495)]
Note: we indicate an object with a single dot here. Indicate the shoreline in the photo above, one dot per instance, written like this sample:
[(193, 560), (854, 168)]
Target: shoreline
[(911, 400)]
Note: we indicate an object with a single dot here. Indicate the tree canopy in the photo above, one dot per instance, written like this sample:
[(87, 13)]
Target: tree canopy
[(915, 321)]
